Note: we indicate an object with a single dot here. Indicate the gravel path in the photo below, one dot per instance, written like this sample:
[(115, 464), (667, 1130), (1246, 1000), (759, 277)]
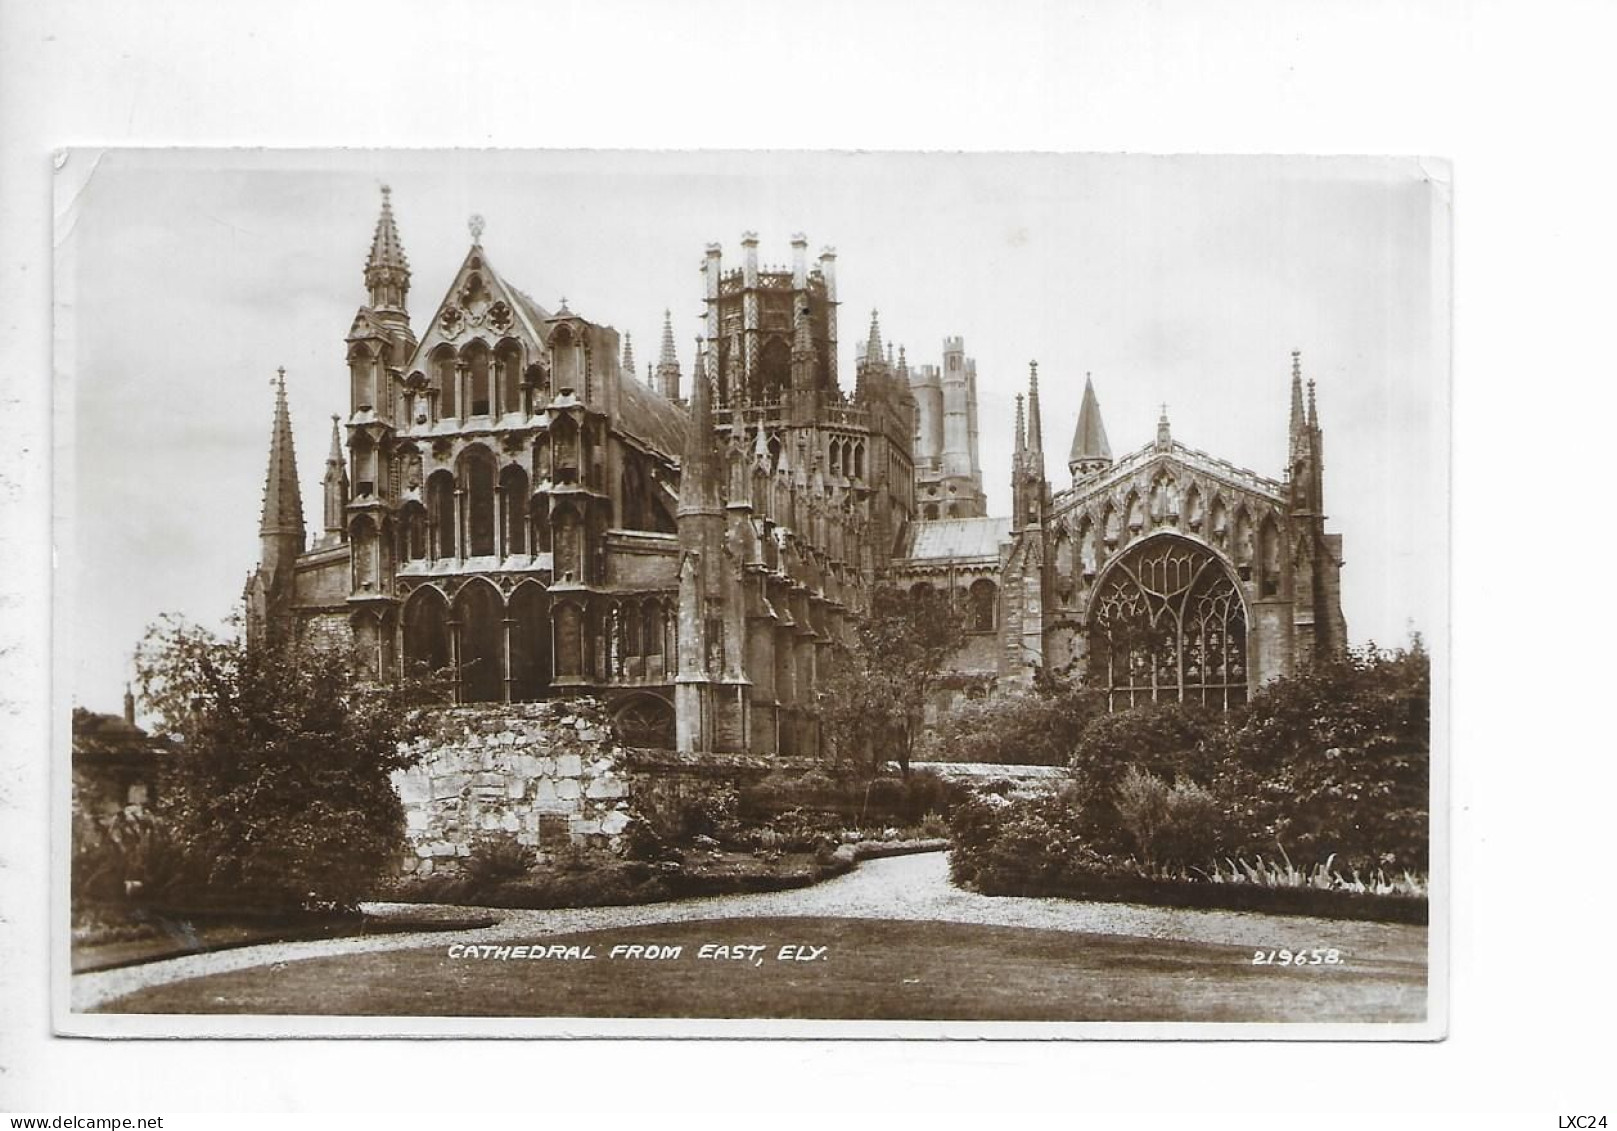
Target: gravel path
[(901, 887)]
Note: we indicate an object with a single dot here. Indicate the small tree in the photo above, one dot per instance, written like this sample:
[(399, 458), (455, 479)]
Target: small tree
[(1336, 759), (873, 704), (280, 796)]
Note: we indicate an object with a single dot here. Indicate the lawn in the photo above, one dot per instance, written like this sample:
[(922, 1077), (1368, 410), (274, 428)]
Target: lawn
[(868, 969)]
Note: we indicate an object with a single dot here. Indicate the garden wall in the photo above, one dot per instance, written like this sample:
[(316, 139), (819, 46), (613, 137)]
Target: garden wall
[(548, 773)]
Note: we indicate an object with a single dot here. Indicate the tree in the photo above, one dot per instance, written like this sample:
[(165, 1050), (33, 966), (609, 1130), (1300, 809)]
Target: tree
[(281, 796), (1040, 727), (1337, 759), (873, 704)]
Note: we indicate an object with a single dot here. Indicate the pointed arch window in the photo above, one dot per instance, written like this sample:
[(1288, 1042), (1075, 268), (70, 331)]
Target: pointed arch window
[(479, 617), (514, 506), (477, 481), (1168, 626), (475, 357), (413, 530), (508, 364), (362, 365), (443, 375), (426, 632), (983, 604), (441, 514)]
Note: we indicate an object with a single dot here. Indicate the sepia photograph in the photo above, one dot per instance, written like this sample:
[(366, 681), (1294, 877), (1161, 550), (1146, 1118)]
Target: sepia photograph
[(751, 593)]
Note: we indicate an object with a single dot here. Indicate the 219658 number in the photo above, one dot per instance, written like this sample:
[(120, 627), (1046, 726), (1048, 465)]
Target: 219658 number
[(1316, 957)]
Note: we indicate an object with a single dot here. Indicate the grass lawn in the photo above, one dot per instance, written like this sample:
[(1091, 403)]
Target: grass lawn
[(870, 969)]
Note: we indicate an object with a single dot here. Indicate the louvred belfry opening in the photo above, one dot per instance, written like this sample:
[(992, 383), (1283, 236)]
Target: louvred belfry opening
[(1168, 626)]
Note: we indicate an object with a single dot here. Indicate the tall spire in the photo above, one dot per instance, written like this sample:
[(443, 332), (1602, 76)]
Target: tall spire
[(283, 503), (1299, 423), (1090, 450), (335, 484), (701, 473), (1035, 423), (668, 362), (873, 350), (628, 353), (387, 271)]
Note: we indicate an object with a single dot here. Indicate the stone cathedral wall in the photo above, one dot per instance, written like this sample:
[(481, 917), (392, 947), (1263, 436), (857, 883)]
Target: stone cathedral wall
[(551, 774)]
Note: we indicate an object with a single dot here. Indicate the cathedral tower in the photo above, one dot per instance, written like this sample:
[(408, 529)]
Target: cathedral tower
[(949, 480)]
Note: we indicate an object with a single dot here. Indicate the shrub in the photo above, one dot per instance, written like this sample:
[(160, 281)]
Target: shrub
[(495, 858), (129, 857), (1177, 824), (1334, 760), (1039, 728), (282, 795)]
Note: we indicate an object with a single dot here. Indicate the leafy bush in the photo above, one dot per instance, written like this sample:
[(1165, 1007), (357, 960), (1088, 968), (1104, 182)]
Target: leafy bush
[(1177, 824), (129, 857), (1329, 765), (1335, 760), (495, 858), (282, 794), (1039, 728)]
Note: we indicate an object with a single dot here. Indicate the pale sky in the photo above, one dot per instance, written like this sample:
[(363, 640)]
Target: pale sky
[(186, 278)]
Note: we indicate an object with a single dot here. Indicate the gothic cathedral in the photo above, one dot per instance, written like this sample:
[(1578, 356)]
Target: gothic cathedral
[(509, 505)]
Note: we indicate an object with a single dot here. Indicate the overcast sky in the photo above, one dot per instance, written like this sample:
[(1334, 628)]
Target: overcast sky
[(186, 278)]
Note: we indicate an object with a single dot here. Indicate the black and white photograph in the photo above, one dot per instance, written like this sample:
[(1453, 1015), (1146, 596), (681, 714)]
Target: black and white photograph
[(751, 593)]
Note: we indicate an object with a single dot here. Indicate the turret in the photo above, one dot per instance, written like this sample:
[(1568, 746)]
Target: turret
[(1035, 423), (1029, 490), (701, 473), (280, 529), (956, 453), (387, 271), (269, 589), (335, 484), (871, 366), (1091, 453), (668, 362)]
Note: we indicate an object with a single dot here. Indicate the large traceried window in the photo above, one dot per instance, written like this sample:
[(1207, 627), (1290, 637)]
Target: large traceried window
[(1168, 625)]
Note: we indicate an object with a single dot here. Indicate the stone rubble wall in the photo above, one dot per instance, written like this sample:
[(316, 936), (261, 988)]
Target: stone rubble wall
[(548, 773)]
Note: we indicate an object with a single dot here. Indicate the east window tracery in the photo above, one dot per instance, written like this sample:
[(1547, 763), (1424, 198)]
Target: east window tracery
[(1168, 625)]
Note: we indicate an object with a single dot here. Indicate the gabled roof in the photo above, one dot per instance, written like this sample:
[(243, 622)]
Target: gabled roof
[(955, 538), (97, 734), (651, 417)]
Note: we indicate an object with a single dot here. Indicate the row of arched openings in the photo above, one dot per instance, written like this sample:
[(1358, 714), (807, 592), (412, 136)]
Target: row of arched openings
[(477, 380), (482, 510), (1081, 542), (482, 380), (496, 649), (981, 602)]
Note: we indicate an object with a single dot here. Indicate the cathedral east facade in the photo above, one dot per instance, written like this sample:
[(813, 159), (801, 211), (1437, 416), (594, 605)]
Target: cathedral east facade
[(509, 504)]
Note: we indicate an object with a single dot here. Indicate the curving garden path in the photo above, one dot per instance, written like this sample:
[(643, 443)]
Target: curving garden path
[(905, 888)]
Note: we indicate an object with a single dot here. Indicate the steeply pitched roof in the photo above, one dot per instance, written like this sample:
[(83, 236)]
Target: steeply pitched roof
[(387, 250), (955, 538), (651, 417), (1089, 438)]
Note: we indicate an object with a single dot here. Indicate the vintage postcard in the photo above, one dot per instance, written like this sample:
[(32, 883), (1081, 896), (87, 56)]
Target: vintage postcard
[(751, 594)]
